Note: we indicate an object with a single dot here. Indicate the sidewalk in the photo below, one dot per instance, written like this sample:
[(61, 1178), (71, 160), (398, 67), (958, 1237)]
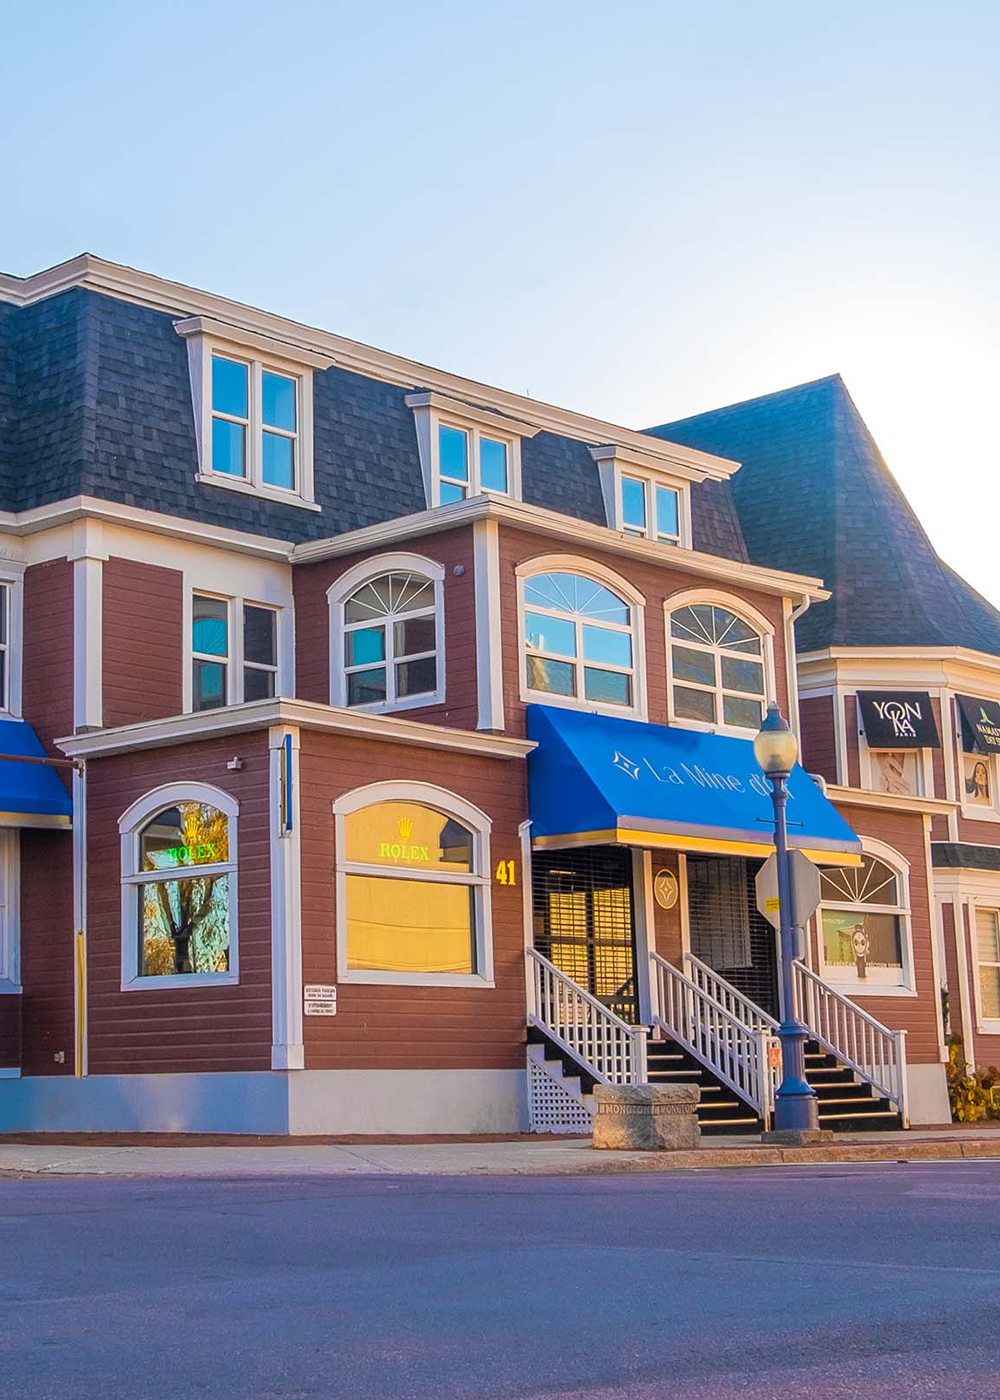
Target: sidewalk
[(519, 1157)]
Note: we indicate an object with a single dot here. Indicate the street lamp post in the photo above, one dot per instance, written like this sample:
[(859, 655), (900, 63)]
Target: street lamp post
[(795, 1109)]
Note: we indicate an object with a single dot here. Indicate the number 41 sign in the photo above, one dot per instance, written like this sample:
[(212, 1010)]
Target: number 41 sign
[(505, 873)]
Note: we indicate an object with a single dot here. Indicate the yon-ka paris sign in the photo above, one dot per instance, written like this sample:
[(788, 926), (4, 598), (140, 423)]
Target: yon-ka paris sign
[(693, 773)]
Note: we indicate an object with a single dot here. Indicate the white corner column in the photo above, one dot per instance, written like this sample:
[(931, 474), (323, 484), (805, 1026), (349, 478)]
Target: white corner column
[(489, 647), (287, 1048)]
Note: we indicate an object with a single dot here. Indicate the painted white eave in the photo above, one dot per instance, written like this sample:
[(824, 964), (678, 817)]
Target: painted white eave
[(304, 714), (907, 666), (888, 802), (554, 525), (175, 298)]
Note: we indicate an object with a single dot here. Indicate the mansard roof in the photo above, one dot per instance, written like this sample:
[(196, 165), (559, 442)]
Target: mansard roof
[(95, 399), (814, 495)]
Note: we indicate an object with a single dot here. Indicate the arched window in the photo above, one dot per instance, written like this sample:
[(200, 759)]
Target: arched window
[(179, 887), (386, 638), (716, 667), (864, 913), (413, 893), (579, 640)]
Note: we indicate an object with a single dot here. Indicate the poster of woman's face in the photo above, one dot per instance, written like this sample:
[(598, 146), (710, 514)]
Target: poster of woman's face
[(978, 789)]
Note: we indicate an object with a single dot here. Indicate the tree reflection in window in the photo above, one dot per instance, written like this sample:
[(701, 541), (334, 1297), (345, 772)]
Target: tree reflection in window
[(185, 918)]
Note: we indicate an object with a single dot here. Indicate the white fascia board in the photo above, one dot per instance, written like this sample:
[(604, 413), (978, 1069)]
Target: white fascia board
[(306, 714), (264, 345), (469, 413), (908, 667), (128, 284), (680, 465), (48, 517), (554, 525), (860, 797)]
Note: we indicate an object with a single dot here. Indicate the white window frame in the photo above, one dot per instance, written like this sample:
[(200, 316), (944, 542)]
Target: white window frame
[(432, 411), (853, 986), (747, 614), (206, 338), (12, 578), (987, 1025), (234, 660), (450, 805), (615, 465), (130, 825), (10, 911), (597, 573), (970, 810), (337, 595)]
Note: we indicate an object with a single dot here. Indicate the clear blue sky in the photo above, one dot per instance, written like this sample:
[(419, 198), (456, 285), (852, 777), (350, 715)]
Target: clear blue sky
[(637, 210)]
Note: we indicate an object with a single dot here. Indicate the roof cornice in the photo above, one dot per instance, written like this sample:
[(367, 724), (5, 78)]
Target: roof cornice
[(128, 284), (302, 714), (553, 525), (889, 802)]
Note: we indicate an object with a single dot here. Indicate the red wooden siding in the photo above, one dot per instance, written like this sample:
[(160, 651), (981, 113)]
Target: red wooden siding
[(667, 922), (179, 1029), (656, 584), (48, 650), (47, 973), (852, 740), (143, 641), (400, 1027), (10, 1031), (450, 548), (819, 737)]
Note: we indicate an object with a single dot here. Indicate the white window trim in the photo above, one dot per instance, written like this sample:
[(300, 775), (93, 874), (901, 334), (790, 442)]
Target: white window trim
[(337, 595), (10, 914), (450, 804), (234, 660), (129, 826), (853, 987), (614, 464), (746, 613), (12, 576), (599, 573), (432, 411), (206, 338)]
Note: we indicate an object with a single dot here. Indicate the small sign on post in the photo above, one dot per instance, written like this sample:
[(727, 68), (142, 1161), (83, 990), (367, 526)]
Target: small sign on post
[(319, 1000), (805, 890)]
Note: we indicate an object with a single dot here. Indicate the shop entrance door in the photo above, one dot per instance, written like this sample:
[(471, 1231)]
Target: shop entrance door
[(727, 930), (583, 921)]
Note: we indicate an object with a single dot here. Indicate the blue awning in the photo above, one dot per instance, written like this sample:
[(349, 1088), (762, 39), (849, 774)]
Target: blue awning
[(596, 778), (31, 794)]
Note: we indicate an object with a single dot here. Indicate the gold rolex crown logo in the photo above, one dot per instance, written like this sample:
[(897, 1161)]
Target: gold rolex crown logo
[(405, 827)]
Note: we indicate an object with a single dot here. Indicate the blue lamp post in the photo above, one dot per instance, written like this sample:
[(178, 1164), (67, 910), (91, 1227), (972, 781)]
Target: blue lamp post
[(795, 1110)]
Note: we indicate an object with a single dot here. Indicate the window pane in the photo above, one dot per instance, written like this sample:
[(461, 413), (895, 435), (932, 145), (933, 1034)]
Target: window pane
[(366, 687), (210, 625), (573, 593), (732, 632), (692, 665), (4, 611), (185, 926), (744, 714), (409, 925), (607, 687), (987, 940), (278, 401), (413, 635), (416, 677), (259, 628), (410, 592), (694, 704), (862, 941), (371, 600), (229, 454), (209, 685), (230, 392), (667, 512), (550, 634), (407, 834), (600, 644), (257, 684), (493, 464), (191, 833), (556, 677), (450, 493), (364, 645), (989, 992), (279, 461), (454, 447), (4, 698), (738, 674), (633, 503)]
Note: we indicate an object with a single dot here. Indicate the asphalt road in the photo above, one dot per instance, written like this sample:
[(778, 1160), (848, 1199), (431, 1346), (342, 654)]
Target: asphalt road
[(881, 1282)]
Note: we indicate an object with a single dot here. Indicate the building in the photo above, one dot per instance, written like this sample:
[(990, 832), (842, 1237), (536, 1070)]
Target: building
[(898, 674), (378, 749)]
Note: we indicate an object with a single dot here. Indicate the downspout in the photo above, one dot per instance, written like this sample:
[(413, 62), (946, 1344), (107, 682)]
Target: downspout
[(80, 919), (791, 664)]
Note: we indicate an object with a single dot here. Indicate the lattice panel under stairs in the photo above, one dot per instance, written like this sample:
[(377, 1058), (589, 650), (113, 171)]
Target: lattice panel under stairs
[(552, 1106)]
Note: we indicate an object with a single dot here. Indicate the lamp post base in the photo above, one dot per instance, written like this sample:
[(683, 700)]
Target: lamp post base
[(797, 1137)]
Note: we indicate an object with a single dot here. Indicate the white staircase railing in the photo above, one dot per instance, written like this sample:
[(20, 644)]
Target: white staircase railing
[(748, 1012), (608, 1047), (737, 1053), (867, 1047)]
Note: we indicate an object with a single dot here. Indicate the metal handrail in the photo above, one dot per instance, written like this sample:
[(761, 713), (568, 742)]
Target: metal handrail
[(606, 1046)]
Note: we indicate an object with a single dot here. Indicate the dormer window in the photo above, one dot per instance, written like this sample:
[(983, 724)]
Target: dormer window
[(466, 451), (649, 510), (642, 498), (252, 401)]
